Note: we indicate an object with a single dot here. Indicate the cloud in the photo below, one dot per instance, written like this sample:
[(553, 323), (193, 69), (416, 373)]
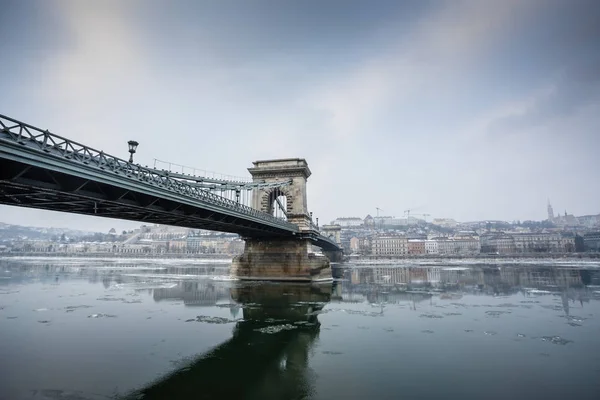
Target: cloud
[(440, 46), (577, 87), (393, 105)]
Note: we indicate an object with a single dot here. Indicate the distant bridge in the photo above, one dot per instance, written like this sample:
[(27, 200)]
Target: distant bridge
[(39, 169)]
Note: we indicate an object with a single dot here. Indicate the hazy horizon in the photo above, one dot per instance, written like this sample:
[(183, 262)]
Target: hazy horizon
[(471, 110), (54, 219)]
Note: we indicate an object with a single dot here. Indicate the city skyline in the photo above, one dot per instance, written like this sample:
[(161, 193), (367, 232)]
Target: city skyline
[(63, 220), (468, 110)]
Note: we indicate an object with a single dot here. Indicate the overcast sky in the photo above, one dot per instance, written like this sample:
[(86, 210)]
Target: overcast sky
[(462, 109)]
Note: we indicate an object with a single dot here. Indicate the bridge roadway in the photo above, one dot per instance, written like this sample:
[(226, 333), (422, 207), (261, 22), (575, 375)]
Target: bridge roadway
[(42, 170)]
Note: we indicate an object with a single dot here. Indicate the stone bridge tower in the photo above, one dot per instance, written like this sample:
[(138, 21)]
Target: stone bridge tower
[(289, 258), (273, 171)]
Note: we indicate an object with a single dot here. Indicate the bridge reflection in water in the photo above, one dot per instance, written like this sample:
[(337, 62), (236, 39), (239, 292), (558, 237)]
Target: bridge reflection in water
[(267, 357)]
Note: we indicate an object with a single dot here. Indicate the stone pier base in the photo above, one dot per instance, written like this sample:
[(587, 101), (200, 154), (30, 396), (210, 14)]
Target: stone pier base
[(334, 256), (280, 260)]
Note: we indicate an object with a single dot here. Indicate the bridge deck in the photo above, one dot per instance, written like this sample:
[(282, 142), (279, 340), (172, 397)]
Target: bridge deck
[(42, 170)]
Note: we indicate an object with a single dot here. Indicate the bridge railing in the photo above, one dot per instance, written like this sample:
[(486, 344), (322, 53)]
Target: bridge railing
[(216, 184), (58, 146)]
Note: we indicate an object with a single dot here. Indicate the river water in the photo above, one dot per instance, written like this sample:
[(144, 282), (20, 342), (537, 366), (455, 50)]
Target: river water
[(91, 329)]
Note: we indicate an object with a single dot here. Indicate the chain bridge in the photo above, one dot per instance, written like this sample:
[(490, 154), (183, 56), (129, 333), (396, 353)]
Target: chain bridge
[(39, 169)]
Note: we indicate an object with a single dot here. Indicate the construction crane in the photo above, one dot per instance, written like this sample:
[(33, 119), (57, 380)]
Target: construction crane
[(378, 209)]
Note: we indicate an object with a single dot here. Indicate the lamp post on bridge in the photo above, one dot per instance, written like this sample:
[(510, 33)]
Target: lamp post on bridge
[(132, 148)]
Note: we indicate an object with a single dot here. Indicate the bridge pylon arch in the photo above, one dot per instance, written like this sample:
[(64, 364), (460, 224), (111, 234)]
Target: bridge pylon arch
[(294, 172), (277, 258)]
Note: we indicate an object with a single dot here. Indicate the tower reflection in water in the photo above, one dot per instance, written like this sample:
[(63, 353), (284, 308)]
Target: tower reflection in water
[(267, 357)]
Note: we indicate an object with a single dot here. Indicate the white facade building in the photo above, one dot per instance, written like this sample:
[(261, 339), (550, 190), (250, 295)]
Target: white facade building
[(389, 246), (445, 222), (498, 243), (431, 247), (543, 242), (348, 222), (459, 246)]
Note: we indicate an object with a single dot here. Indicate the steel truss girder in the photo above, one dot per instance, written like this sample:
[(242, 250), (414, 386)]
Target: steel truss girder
[(75, 203), (42, 170), (44, 146), (202, 183)]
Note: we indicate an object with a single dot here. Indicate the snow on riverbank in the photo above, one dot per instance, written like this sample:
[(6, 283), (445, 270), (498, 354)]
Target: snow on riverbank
[(114, 260), (464, 262)]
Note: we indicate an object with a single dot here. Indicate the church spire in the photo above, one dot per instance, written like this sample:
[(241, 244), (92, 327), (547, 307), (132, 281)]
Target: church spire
[(550, 212)]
